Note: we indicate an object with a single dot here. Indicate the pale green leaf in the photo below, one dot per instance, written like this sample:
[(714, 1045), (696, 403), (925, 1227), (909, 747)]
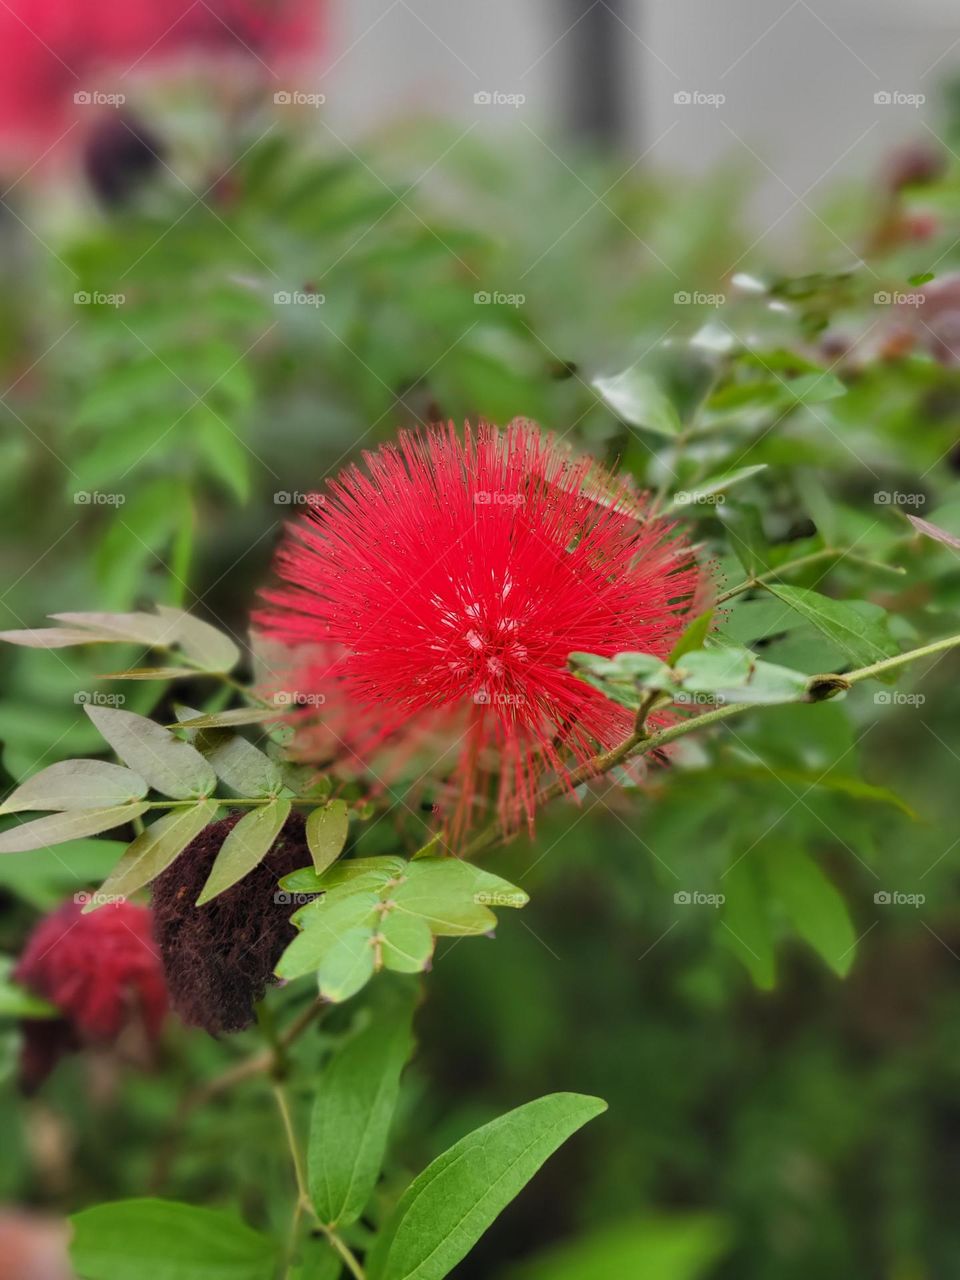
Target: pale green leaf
[(156, 848), (60, 827), (173, 767), (77, 784)]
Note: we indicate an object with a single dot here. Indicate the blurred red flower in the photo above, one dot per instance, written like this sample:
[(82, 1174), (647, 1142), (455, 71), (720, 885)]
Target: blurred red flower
[(60, 58), (448, 584), (101, 971)]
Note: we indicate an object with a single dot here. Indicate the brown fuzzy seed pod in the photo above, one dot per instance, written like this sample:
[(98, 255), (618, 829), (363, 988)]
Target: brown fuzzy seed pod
[(219, 958)]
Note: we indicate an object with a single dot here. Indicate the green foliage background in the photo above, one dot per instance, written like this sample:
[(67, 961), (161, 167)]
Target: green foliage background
[(811, 1128)]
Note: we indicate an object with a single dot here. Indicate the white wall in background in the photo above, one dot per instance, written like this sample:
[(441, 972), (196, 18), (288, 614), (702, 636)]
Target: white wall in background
[(798, 76)]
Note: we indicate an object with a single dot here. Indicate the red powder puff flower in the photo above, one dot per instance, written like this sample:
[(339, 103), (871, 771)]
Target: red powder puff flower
[(102, 972), (451, 581), (51, 51)]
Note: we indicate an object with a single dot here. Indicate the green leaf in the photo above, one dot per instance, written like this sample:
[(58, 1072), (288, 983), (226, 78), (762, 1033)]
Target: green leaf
[(43, 877), (155, 848), (327, 834), (16, 1002), (77, 784), (232, 719), (639, 400), (347, 965), (406, 943), (453, 896), (446, 1210), (665, 1248), (245, 847), (243, 766), (815, 907), (379, 913), (171, 766), (355, 1102), (323, 925), (693, 636), (744, 524), (166, 1240), (224, 451), (814, 388), (150, 673), (59, 827), (862, 633), (687, 498), (745, 928)]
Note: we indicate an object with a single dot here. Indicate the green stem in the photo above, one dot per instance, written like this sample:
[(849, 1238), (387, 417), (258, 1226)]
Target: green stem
[(640, 743)]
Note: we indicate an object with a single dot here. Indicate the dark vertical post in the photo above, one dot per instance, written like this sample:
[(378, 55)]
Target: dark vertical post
[(597, 109)]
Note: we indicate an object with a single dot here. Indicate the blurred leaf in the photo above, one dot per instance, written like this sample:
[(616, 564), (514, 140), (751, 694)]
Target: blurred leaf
[(816, 909), (678, 1248), (744, 926), (165, 1240), (16, 1001), (933, 531), (637, 399)]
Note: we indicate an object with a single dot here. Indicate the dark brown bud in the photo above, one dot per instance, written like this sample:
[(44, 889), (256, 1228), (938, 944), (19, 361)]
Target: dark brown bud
[(219, 958)]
